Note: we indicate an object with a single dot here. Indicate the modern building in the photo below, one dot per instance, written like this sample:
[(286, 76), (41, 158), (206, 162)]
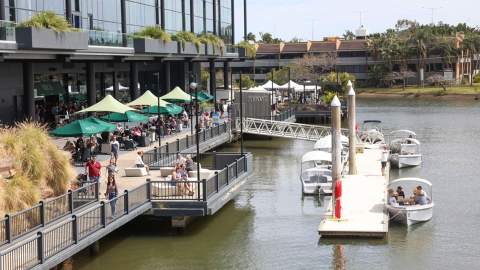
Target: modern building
[(34, 71), (350, 56)]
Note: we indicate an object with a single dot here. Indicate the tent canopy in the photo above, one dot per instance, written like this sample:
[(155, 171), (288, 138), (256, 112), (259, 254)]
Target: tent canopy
[(170, 109), (308, 88), (120, 87), (293, 85), (257, 89), (268, 85), (148, 99), (108, 104), (177, 95), (129, 116), (83, 127)]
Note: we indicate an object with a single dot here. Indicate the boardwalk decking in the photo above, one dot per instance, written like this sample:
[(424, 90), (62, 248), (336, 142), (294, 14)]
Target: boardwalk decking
[(363, 201)]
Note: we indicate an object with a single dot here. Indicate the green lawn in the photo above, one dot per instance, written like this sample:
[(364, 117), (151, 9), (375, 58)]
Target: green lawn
[(453, 90)]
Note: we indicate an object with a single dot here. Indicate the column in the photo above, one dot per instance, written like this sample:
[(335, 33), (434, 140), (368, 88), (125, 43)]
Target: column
[(115, 84), (102, 84), (184, 27), (192, 17), (28, 94), (233, 20), (157, 13), (219, 18), (91, 91), (65, 86), (352, 132), (245, 20), (123, 14), (68, 10), (226, 70), (134, 91), (3, 33), (162, 14), (213, 90), (214, 17), (166, 76), (186, 74)]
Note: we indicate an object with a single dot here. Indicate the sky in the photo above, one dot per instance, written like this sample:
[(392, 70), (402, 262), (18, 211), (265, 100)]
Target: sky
[(294, 18)]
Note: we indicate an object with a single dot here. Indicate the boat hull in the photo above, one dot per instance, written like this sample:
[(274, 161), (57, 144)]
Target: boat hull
[(403, 161), (409, 215)]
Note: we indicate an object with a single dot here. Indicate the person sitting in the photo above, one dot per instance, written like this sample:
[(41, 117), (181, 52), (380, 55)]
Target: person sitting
[(400, 192), (139, 162), (189, 164), (180, 159), (187, 187), (420, 196), (391, 198)]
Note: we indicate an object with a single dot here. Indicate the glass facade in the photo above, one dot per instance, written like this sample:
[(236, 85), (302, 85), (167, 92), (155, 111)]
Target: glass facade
[(106, 15)]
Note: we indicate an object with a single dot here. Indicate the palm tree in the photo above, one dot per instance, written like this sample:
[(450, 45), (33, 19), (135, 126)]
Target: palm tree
[(421, 38)]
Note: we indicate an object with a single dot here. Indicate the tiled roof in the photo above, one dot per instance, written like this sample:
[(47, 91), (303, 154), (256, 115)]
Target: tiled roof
[(295, 47), (264, 48), (323, 46), (353, 45)]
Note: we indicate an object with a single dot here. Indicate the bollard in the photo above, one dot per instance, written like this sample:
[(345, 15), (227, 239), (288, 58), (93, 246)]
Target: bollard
[(352, 135), (336, 147)]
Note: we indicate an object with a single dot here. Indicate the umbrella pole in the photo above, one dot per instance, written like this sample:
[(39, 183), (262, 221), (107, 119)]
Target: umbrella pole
[(159, 129)]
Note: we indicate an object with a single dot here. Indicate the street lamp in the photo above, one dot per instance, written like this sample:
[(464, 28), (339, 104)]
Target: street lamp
[(158, 117), (193, 87), (241, 115), (190, 76)]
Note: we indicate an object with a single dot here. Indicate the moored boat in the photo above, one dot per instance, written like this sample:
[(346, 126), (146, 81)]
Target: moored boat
[(405, 149), (316, 174)]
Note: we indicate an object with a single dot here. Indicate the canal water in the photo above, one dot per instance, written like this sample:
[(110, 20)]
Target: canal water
[(270, 225)]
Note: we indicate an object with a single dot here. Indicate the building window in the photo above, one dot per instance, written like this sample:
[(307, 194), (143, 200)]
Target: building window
[(140, 13)]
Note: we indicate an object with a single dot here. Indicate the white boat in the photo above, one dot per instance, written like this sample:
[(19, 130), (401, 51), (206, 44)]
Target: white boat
[(372, 132), (411, 214), (405, 149), (316, 172), (325, 143)]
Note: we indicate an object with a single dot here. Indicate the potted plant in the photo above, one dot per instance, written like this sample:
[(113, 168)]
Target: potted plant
[(153, 39), (188, 43), (213, 44), (47, 30)]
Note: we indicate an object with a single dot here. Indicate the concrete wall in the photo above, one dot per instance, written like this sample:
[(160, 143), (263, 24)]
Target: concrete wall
[(11, 91)]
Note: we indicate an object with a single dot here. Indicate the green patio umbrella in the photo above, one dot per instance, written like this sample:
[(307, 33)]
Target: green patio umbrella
[(129, 116), (108, 104), (83, 127), (177, 95), (171, 109), (204, 96)]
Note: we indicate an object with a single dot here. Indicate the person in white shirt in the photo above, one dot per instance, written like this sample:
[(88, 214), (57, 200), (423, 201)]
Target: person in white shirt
[(139, 162), (384, 159)]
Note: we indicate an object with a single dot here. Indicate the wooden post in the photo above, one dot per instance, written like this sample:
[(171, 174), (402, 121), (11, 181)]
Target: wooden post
[(336, 147), (352, 134)]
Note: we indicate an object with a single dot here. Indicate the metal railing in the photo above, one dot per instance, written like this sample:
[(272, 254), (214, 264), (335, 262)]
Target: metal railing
[(51, 241), (45, 212), (105, 38), (80, 225), (155, 158)]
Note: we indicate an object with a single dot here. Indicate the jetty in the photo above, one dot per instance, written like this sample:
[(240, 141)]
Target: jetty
[(363, 201)]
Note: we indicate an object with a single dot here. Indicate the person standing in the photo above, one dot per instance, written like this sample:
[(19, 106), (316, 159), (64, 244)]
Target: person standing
[(115, 148), (93, 168), (111, 192), (384, 159)]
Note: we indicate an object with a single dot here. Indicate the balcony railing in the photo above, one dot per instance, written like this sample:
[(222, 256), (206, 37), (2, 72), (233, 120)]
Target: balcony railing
[(104, 38), (7, 30)]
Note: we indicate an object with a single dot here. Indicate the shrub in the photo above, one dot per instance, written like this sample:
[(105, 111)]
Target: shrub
[(153, 32), (476, 78), (250, 49), (213, 40), (49, 20), (328, 97), (183, 37)]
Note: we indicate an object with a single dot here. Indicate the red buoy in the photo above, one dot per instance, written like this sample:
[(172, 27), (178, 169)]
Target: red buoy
[(338, 188)]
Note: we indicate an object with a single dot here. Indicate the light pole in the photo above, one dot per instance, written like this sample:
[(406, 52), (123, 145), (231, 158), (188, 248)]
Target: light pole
[(158, 117), (271, 94), (190, 75), (193, 87), (241, 115)]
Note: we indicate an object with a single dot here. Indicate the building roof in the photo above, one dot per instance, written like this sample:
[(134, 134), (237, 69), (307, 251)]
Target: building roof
[(353, 45), (323, 46), (264, 48), (298, 47)]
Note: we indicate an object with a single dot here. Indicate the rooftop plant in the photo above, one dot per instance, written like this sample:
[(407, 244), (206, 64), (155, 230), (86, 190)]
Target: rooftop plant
[(250, 49), (183, 37), (153, 32), (213, 40), (49, 20)]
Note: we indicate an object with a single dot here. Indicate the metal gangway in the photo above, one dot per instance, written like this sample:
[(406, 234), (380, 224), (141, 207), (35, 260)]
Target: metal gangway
[(284, 129)]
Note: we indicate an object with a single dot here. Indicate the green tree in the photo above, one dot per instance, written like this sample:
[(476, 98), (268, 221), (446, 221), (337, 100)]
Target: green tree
[(268, 38), (246, 82), (251, 37), (280, 76), (348, 35)]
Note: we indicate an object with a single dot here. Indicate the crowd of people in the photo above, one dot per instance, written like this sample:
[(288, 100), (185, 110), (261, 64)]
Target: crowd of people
[(397, 197)]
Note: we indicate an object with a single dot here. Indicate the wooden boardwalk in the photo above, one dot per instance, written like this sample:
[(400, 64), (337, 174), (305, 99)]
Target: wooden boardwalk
[(363, 201)]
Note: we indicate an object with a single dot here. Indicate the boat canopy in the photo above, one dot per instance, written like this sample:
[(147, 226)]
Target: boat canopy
[(326, 142), (405, 141), (317, 156), (403, 133), (372, 121)]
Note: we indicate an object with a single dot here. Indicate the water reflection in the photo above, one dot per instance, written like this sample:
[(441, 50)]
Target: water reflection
[(338, 262)]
